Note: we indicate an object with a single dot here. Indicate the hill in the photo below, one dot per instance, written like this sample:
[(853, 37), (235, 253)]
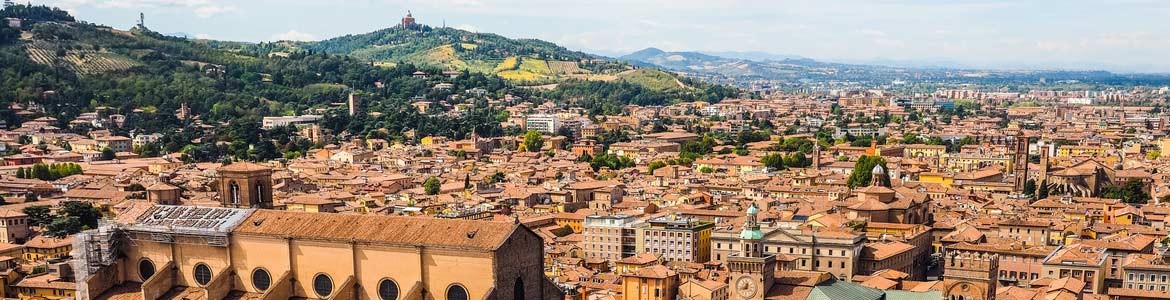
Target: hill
[(54, 65), (743, 68), (521, 61)]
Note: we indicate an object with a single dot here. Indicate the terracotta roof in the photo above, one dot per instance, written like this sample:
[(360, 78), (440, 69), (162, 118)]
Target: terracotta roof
[(453, 233), (243, 166)]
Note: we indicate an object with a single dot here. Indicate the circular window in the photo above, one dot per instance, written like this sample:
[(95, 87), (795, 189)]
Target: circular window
[(202, 274), (456, 292), (388, 289), (261, 279), (145, 269), (323, 285)]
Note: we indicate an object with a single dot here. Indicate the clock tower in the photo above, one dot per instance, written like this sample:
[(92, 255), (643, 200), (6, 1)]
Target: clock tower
[(752, 270)]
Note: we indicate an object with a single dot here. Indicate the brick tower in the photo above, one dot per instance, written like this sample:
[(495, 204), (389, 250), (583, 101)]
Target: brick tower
[(970, 276)]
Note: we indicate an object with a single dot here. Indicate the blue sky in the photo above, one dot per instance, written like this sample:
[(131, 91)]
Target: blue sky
[(1117, 35)]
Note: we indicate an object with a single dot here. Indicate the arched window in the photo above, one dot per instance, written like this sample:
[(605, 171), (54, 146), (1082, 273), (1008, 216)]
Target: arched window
[(518, 289), (234, 192), (387, 289), (261, 280), (323, 285), (259, 194), (202, 274), (456, 292), (145, 269)]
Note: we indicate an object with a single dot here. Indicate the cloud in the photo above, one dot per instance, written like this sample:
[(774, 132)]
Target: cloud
[(467, 27), (293, 35), (212, 10), (872, 32), (201, 8), (203, 36)]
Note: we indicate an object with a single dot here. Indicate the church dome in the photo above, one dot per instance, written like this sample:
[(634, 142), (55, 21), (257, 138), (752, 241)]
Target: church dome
[(749, 234), (877, 169)]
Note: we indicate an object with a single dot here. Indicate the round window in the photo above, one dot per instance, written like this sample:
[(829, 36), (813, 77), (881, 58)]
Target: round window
[(388, 290), (202, 274), (261, 279), (456, 292), (323, 285), (145, 269)]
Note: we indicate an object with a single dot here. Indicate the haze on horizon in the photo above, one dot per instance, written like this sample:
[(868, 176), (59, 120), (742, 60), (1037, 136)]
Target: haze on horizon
[(1117, 35)]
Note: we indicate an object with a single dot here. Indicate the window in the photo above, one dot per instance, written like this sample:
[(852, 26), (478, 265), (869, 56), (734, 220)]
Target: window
[(202, 274), (388, 289), (261, 280), (457, 292), (145, 269), (323, 285)]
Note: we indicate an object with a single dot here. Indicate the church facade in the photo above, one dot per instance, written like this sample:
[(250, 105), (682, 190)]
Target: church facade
[(232, 253)]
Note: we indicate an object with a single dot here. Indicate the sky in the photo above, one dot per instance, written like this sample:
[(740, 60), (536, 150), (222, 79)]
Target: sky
[(1116, 35)]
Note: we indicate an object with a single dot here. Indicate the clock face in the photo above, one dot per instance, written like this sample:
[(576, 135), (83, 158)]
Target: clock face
[(746, 287)]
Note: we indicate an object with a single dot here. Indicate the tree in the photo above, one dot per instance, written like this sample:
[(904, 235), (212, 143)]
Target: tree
[(20, 172), (38, 215), (86, 213), (62, 227), (1153, 154), (30, 197), (862, 174), (431, 186), (1030, 187), (1132, 191), (1042, 190), (108, 154), (706, 169), (467, 181), (773, 161), (533, 141)]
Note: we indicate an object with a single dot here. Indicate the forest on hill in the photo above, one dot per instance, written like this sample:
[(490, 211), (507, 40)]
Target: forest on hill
[(68, 67)]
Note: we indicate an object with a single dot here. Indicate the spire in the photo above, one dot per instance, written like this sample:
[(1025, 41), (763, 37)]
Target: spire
[(751, 228)]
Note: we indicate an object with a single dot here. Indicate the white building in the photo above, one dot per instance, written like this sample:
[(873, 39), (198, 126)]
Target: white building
[(542, 122), (272, 122)]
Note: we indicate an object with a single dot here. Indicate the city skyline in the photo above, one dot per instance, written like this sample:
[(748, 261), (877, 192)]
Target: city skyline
[(1119, 36)]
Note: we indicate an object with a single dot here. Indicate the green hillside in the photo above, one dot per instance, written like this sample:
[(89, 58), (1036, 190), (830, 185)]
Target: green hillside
[(522, 61), (65, 67)]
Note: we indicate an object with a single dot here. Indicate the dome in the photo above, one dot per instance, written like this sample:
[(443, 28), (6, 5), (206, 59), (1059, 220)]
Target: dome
[(877, 169), (752, 210), (749, 234)]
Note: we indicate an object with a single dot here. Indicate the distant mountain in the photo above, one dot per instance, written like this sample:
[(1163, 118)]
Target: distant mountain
[(772, 66), (753, 55)]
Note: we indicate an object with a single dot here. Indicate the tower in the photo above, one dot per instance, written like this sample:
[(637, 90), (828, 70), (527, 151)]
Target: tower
[(163, 193), (816, 156), (970, 276), (1042, 175), (1020, 161), (752, 270), (245, 185), (408, 21), (354, 102), (141, 20)]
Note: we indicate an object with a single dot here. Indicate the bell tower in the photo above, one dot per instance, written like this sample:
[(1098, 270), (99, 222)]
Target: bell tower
[(970, 276), (245, 185), (752, 270)]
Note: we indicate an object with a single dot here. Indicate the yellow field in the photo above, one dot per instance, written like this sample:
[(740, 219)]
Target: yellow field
[(510, 63), (469, 46), (521, 75), (535, 66)]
